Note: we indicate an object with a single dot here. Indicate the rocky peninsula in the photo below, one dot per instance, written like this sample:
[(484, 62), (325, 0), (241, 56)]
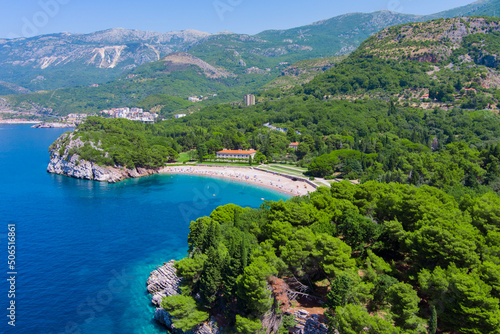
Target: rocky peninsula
[(164, 282), (52, 125), (64, 162)]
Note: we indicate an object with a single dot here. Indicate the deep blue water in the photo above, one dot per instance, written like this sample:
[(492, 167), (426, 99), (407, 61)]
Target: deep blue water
[(85, 249)]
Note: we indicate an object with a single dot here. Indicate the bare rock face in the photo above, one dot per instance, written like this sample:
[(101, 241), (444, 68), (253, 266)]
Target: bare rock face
[(164, 282), (64, 162), (103, 49), (161, 283), (164, 318), (308, 324), (207, 328)]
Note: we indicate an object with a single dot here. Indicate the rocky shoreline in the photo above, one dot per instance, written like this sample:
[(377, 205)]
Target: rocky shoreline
[(164, 282), (52, 125), (63, 163)]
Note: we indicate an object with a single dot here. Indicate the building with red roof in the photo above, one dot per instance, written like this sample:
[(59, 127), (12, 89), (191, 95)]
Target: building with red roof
[(236, 154)]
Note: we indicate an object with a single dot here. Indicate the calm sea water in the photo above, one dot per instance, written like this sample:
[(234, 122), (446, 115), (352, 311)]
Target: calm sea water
[(85, 249)]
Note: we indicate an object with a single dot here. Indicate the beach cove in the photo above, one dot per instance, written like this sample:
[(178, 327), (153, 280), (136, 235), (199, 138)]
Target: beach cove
[(85, 249), (251, 175), (63, 162)]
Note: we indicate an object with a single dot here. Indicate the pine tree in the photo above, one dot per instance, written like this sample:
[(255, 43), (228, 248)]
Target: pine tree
[(211, 279), (392, 108), (232, 268), (244, 253), (339, 293), (184, 311), (433, 321), (211, 236)]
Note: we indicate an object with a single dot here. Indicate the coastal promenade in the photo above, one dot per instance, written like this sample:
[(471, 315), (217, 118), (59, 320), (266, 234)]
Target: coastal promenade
[(249, 175)]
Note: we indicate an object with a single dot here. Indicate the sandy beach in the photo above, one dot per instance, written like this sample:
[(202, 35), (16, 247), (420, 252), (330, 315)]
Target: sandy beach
[(248, 175)]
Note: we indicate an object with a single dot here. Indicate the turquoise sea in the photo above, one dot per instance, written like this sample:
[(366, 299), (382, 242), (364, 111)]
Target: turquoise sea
[(84, 250)]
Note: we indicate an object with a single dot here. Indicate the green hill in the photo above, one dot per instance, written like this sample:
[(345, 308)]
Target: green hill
[(67, 60), (339, 35), (178, 75), (413, 249), (300, 73), (417, 243), (7, 88), (453, 60), (478, 8), (231, 65)]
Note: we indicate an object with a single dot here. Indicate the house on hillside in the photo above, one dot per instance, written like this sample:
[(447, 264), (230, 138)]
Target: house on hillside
[(295, 146), (236, 154)]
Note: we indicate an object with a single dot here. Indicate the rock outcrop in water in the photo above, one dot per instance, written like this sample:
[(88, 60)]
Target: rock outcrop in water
[(64, 162), (164, 282)]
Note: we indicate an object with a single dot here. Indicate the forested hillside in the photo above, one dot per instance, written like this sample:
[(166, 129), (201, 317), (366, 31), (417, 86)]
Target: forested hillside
[(477, 8), (128, 63), (371, 140), (396, 259), (452, 62), (296, 75), (178, 75), (414, 248)]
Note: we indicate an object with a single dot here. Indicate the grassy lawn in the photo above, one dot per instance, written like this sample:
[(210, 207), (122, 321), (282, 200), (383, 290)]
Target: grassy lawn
[(290, 167), (183, 157), (279, 169), (291, 170)]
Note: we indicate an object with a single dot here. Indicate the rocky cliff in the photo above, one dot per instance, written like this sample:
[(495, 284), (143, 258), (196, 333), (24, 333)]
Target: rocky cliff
[(164, 282), (64, 162)]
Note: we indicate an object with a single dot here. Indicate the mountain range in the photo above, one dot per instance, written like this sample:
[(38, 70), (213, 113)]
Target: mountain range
[(64, 60), (145, 63)]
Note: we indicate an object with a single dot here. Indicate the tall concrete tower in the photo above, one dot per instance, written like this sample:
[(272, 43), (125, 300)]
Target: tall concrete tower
[(249, 100)]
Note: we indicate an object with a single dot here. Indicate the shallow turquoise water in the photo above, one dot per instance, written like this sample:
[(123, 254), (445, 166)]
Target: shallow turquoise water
[(85, 249)]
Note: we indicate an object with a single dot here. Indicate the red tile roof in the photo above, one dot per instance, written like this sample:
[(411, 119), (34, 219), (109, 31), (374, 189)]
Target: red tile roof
[(294, 144)]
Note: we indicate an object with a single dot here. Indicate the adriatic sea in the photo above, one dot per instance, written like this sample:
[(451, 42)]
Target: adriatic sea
[(83, 249)]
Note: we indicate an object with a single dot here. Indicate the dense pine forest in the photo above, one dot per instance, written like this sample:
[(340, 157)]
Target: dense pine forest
[(396, 259), (368, 139)]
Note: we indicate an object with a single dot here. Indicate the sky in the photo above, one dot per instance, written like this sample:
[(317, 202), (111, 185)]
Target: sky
[(27, 18)]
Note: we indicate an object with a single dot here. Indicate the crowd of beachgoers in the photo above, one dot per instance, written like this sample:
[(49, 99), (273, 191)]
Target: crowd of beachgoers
[(247, 174)]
